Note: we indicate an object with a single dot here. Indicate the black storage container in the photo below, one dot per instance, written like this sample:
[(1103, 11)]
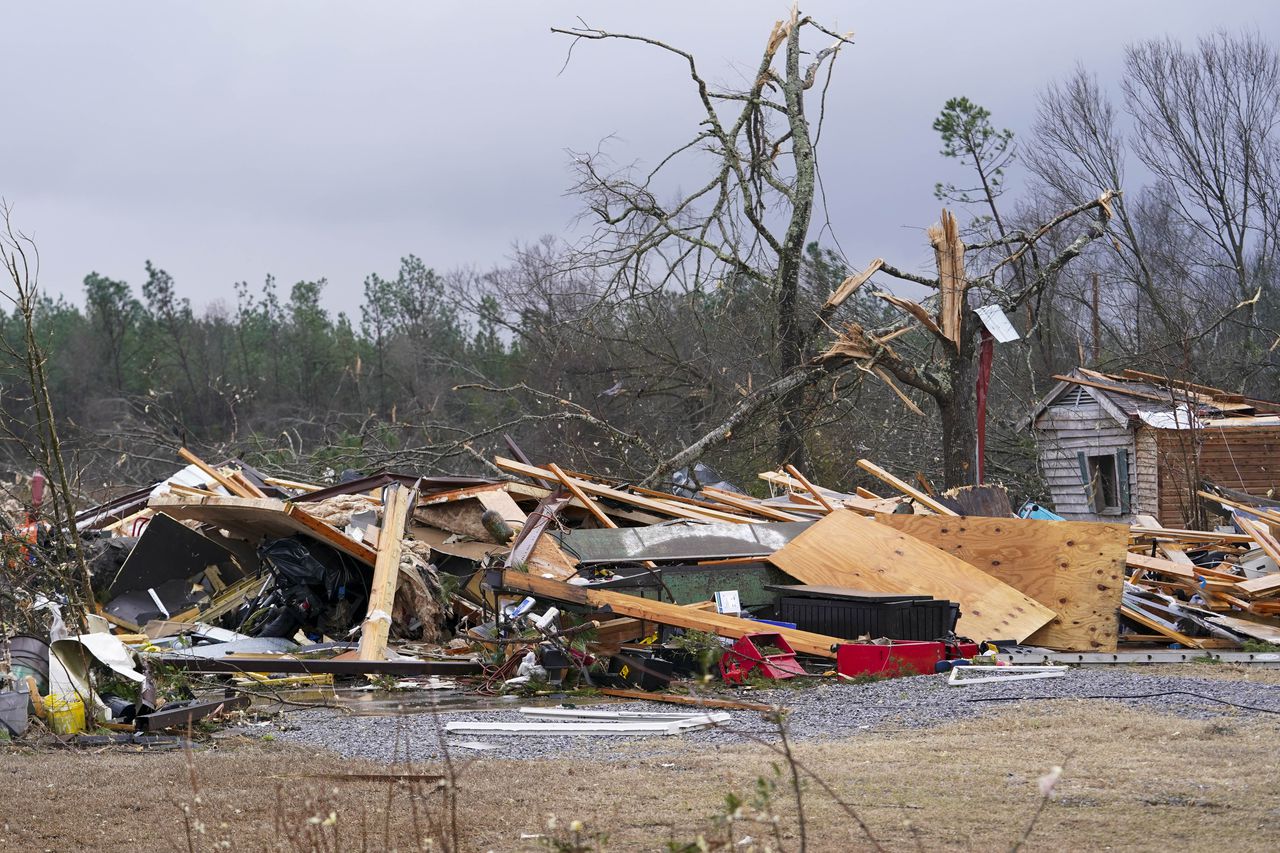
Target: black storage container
[(643, 671), (850, 614)]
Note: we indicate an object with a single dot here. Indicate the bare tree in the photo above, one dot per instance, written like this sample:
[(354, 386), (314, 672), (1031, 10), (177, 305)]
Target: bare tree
[(21, 261), (748, 222), (1192, 263)]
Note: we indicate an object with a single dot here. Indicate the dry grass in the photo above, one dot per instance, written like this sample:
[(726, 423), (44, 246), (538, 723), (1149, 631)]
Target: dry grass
[(1135, 781)]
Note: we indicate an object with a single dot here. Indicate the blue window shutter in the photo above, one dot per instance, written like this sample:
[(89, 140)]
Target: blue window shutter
[(1085, 481)]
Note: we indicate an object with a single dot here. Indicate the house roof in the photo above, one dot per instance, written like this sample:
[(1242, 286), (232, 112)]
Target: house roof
[(1134, 397)]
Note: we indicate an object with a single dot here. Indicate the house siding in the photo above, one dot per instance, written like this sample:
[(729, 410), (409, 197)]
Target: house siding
[(1081, 427), (1243, 458)]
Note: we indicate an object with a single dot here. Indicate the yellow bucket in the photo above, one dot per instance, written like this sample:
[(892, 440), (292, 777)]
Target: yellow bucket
[(64, 713)]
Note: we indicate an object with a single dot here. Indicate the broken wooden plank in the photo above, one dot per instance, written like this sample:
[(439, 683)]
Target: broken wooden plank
[(746, 504), (810, 488), (661, 612), (847, 550), (217, 476), (905, 487), (1159, 627), (397, 503), (590, 488)]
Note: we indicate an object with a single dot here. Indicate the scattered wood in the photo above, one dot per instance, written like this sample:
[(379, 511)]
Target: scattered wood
[(905, 487)]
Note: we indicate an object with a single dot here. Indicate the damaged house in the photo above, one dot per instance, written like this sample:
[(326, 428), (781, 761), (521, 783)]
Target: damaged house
[(1112, 447)]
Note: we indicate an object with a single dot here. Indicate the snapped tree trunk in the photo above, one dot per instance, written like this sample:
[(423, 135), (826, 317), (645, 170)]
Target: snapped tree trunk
[(957, 408)]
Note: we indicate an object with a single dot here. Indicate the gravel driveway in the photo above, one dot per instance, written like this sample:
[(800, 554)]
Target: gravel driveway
[(824, 711)]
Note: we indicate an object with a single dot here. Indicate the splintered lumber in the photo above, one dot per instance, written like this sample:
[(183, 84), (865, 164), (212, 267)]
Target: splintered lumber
[(397, 503), (1159, 627), (746, 504), (810, 488), (905, 487), (850, 284), (948, 249), (1161, 565), (1268, 514), (1262, 535), (863, 501), (674, 510), (1075, 568), (1173, 534), (240, 490), (847, 550), (662, 612), (331, 535)]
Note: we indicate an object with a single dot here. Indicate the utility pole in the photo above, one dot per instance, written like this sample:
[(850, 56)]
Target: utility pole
[(1097, 324)]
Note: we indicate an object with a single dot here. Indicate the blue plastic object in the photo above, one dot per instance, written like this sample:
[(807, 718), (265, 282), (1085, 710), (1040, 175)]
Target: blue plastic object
[(1034, 510)]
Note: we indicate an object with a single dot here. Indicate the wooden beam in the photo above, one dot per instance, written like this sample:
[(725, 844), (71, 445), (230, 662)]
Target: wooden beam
[(810, 487), (904, 487), (331, 535), (217, 476), (742, 503), (666, 509), (665, 613), (397, 503), (1159, 627), (1161, 565)]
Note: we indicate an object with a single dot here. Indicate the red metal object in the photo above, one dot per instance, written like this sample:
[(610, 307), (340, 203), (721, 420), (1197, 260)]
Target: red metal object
[(746, 656), (37, 491), (985, 355), (902, 657)]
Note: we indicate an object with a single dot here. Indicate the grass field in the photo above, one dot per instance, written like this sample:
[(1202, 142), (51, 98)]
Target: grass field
[(1131, 781)]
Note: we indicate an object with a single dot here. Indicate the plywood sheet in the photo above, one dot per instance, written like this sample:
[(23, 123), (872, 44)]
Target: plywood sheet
[(847, 550), (1075, 568)]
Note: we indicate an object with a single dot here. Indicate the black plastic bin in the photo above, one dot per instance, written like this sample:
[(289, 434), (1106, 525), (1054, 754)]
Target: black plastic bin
[(850, 614)]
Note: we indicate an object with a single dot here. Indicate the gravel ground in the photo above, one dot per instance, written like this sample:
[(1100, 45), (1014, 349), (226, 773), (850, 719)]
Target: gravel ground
[(825, 711)]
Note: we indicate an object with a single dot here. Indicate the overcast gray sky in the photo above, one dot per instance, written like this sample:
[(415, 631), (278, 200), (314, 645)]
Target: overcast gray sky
[(228, 140)]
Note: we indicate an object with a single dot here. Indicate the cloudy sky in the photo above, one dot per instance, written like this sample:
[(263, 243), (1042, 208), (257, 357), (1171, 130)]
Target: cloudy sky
[(228, 140)]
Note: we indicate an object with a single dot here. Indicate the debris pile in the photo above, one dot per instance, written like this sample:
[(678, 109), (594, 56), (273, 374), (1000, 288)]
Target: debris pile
[(553, 580)]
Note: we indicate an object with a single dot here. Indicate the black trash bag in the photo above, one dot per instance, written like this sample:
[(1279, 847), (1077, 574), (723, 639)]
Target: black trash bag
[(318, 589)]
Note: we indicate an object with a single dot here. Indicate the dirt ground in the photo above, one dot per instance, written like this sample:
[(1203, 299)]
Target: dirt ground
[(1131, 781)]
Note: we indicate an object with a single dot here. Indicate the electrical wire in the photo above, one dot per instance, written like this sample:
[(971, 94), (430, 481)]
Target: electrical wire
[(1133, 696)]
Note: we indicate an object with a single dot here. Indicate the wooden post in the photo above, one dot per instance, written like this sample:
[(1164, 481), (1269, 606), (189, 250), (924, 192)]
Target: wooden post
[(1097, 324), (397, 503), (904, 487), (813, 490), (247, 490)]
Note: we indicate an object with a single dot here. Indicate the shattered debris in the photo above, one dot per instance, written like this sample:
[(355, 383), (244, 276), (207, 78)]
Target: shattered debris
[(245, 585)]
